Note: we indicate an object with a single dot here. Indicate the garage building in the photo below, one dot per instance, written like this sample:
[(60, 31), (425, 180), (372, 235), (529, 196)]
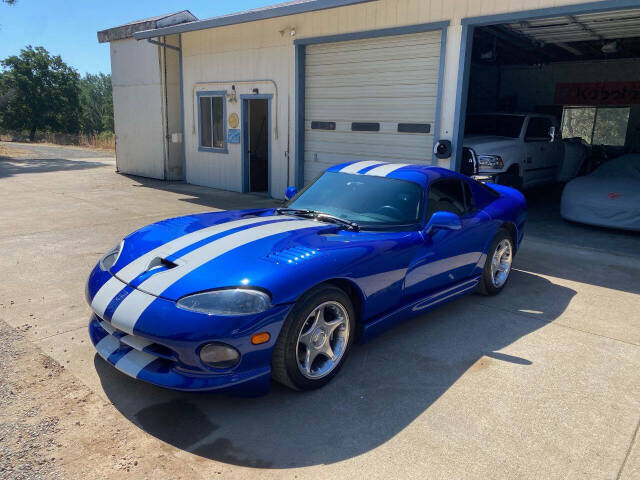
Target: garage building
[(263, 99)]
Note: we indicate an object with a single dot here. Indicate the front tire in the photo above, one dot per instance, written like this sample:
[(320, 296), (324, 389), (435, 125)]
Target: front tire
[(315, 339), (497, 267)]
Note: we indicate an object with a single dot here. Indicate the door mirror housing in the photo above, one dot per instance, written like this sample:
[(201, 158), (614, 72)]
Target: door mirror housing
[(290, 193), (552, 133), (443, 221)]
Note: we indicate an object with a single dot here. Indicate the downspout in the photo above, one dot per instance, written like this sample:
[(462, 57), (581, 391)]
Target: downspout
[(166, 113), (184, 148)]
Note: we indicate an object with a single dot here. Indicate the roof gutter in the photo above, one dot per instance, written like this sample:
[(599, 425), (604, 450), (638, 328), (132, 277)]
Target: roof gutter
[(250, 16)]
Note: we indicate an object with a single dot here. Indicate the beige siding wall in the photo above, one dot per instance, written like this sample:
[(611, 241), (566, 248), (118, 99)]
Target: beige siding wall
[(138, 106), (258, 50)]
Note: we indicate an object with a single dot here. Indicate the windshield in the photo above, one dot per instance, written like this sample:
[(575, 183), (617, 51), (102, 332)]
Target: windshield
[(371, 202), (495, 125)]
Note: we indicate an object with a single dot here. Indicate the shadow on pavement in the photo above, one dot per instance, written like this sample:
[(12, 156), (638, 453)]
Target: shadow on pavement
[(207, 196), (10, 166), (384, 386)]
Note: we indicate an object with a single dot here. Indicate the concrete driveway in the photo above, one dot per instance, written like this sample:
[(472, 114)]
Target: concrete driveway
[(540, 382)]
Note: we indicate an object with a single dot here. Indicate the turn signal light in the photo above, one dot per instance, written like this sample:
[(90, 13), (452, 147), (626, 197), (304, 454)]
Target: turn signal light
[(262, 337)]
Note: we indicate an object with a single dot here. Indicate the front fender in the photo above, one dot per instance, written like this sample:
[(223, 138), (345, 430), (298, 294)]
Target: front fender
[(376, 264)]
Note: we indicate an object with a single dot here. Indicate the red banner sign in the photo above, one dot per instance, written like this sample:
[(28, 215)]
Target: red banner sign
[(598, 93)]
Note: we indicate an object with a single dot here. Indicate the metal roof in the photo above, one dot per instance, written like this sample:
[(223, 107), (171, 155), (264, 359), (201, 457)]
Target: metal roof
[(129, 29), (273, 11), (579, 28)]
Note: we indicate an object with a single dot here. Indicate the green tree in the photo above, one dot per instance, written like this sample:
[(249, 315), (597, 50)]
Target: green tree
[(96, 103), (38, 91)]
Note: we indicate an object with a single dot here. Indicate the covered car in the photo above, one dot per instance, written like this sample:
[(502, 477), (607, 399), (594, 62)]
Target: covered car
[(608, 197)]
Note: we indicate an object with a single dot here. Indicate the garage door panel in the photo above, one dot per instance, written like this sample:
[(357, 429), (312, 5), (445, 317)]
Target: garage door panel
[(408, 77), (374, 55), (425, 39), (387, 81), (391, 65), (368, 149), (381, 110), (374, 91), (373, 139)]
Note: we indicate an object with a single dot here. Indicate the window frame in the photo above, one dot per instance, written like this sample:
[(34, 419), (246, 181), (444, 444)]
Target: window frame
[(213, 94), (596, 108), (462, 194), (546, 138)]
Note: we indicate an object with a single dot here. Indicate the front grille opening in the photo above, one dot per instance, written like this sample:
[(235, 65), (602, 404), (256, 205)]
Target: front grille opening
[(161, 351)]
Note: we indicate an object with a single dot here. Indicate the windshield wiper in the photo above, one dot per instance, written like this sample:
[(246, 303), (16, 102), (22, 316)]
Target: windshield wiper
[(332, 218), (320, 216), (295, 211)]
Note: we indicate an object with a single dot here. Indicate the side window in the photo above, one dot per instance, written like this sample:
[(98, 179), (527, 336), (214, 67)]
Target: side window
[(211, 116), (445, 196), (538, 129)]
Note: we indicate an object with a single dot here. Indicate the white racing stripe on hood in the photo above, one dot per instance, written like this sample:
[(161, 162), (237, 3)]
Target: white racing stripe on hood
[(113, 286), (105, 294), (356, 167), (384, 170), (128, 312)]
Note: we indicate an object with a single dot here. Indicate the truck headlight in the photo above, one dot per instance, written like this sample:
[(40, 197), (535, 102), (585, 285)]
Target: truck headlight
[(111, 257), (228, 301), (493, 162)]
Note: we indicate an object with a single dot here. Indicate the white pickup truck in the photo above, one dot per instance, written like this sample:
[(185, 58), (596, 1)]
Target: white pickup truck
[(520, 150)]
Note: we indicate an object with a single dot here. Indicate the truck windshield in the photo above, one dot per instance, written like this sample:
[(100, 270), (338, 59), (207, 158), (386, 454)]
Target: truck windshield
[(494, 125), (372, 202)]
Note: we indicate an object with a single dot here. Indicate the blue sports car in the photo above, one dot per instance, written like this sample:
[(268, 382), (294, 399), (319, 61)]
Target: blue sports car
[(229, 300)]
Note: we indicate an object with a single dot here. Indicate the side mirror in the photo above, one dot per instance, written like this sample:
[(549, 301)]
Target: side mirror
[(290, 193), (443, 221), (552, 133)]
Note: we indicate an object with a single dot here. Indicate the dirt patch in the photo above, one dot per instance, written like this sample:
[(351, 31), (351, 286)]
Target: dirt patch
[(8, 151), (53, 426)]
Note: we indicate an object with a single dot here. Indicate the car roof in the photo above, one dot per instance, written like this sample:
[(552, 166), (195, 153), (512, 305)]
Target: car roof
[(420, 174)]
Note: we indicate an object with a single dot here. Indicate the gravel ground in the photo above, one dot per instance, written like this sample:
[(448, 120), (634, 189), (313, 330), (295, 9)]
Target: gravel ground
[(27, 428)]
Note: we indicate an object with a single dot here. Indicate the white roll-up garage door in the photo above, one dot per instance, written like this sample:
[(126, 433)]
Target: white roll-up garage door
[(372, 99)]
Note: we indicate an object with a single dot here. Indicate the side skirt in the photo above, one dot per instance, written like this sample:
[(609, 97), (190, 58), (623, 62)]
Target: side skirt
[(417, 307)]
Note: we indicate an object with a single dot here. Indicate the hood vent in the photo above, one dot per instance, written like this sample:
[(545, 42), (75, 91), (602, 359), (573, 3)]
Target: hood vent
[(158, 262), (293, 255)]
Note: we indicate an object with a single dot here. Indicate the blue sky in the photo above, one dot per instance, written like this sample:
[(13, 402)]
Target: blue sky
[(68, 27)]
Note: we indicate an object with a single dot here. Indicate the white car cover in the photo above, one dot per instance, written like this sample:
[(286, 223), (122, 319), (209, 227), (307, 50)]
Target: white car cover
[(608, 197)]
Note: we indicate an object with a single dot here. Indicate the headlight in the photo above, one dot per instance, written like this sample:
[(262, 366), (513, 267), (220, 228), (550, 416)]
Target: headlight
[(490, 161), (111, 257), (229, 301)]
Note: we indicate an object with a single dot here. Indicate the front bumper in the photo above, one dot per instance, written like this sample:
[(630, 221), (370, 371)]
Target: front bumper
[(149, 365), (163, 347)]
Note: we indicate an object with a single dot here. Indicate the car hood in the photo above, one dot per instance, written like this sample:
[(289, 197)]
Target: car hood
[(257, 248), (487, 144)]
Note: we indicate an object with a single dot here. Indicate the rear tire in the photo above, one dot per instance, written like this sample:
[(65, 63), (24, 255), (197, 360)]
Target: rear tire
[(315, 339), (497, 267)]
